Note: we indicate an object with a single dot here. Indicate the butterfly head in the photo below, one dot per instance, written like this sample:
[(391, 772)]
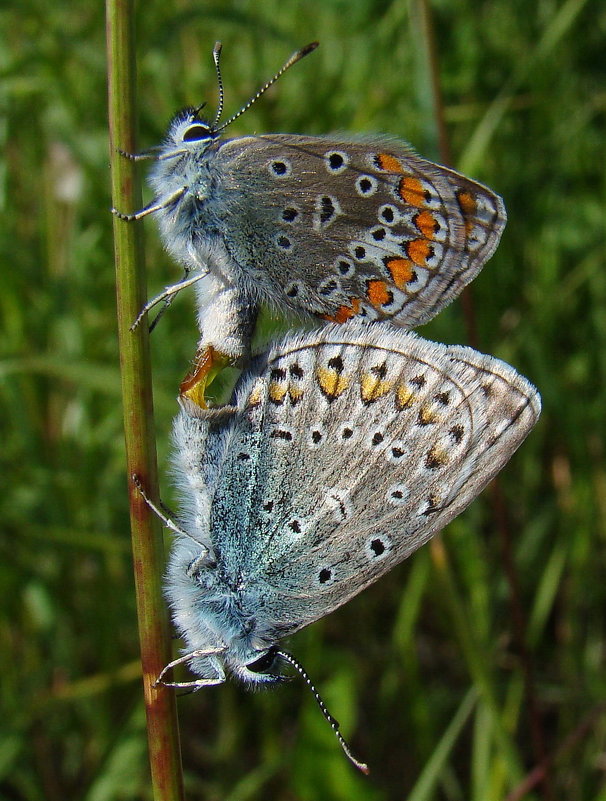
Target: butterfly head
[(187, 130), (179, 179), (239, 657), (263, 670), (211, 664)]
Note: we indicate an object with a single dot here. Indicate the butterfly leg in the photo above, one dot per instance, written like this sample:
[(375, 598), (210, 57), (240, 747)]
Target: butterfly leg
[(197, 683), (166, 516), (167, 297), (226, 319)]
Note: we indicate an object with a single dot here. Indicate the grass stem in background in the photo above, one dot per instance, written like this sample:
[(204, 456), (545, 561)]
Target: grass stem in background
[(148, 554)]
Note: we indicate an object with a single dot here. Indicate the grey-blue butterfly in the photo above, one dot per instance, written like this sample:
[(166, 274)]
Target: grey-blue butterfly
[(344, 451), (334, 227)]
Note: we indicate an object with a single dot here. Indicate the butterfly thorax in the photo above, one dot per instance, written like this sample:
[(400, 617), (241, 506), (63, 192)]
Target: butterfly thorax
[(216, 609), (188, 177)]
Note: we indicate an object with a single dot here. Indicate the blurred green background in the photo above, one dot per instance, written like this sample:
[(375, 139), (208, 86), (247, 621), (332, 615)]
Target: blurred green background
[(457, 673)]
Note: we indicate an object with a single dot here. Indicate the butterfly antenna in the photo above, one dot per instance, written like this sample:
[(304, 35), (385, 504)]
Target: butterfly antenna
[(216, 56), (304, 51), (334, 724)]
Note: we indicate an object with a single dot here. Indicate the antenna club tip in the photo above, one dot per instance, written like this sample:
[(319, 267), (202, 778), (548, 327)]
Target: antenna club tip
[(364, 768), (308, 48)]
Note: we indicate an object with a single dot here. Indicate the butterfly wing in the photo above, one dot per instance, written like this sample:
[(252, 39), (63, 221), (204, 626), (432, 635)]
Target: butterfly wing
[(342, 227), (351, 448), (200, 439)]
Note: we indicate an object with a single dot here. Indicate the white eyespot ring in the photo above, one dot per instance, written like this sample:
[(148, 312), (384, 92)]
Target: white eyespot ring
[(325, 576), (397, 452), (388, 214), (336, 161), (338, 501), (344, 266), (377, 547), (295, 528), (330, 286), (290, 215), (294, 290), (378, 440), (359, 251), (316, 436), (283, 242), (366, 185), (397, 495), (279, 168), (327, 209), (347, 432), (283, 436)]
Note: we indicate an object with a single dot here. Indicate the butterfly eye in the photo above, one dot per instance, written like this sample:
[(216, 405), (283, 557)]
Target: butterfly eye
[(196, 132), (264, 663)]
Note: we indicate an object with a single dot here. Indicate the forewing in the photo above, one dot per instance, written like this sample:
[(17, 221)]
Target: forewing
[(353, 448), (345, 228)]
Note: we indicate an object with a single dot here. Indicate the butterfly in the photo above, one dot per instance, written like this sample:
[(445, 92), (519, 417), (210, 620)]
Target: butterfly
[(331, 227), (345, 450)]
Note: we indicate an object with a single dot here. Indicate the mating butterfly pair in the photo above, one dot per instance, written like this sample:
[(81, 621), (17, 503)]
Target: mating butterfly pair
[(347, 448)]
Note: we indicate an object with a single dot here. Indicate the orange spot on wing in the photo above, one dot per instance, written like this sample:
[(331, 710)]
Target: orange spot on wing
[(276, 392), (467, 202), (436, 457), (390, 163), (469, 208), (295, 394), (427, 224), (377, 293), (344, 313), (411, 191), (427, 416), (256, 395), (404, 398), (419, 250), (401, 271), (331, 382), (372, 388)]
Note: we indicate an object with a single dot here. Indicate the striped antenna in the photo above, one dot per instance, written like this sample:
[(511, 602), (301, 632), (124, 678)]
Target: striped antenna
[(304, 51), (334, 724), (216, 56)]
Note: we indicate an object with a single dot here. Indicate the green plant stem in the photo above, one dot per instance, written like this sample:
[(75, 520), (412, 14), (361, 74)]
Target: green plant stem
[(148, 552)]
